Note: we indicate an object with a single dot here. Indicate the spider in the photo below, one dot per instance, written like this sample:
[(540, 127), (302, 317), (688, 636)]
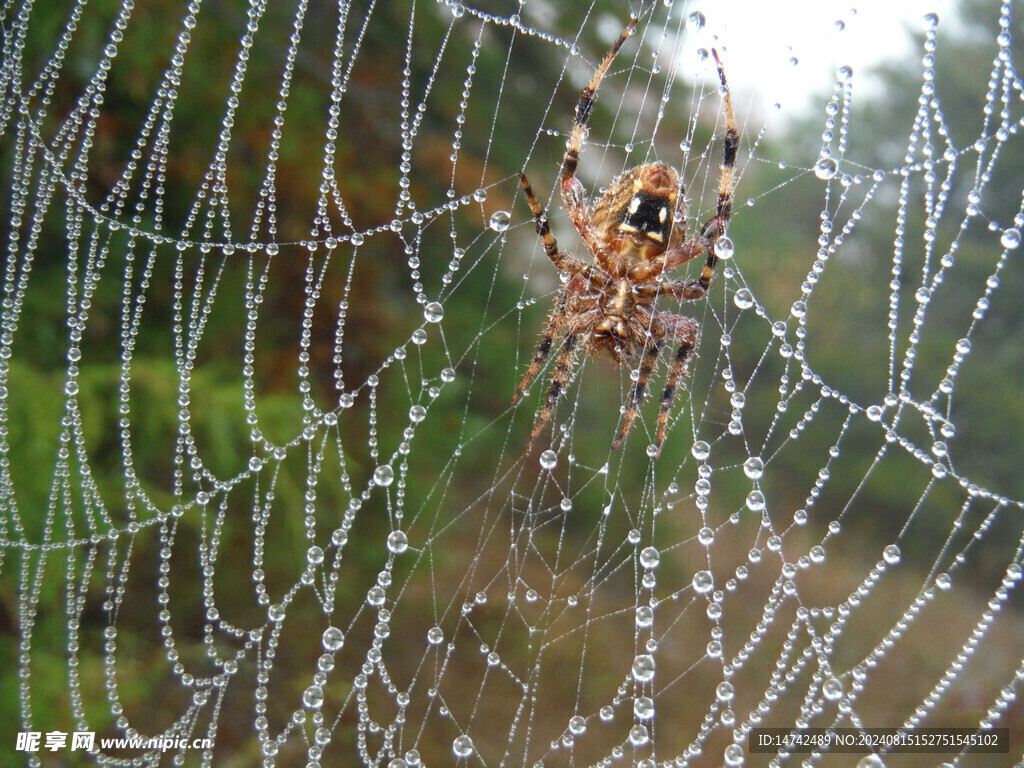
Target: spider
[(608, 305)]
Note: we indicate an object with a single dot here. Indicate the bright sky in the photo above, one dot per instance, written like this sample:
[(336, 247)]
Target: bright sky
[(761, 38)]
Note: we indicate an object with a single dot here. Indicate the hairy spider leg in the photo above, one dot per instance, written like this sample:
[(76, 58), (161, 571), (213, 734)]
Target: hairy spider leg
[(564, 263), (685, 330), (639, 390), (578, 134), (564, 364), (683, 290), (574, 197), (715, 227), (561, 260), (547, 339), (543, 226)]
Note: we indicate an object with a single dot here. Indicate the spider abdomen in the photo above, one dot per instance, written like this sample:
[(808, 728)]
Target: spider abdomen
[(647, 215), (637, 214)]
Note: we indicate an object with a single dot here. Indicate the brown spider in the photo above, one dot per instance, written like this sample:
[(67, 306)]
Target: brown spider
[(608, 305)]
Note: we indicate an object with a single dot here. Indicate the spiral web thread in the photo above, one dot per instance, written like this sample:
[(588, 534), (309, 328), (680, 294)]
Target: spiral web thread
[(448, 599)]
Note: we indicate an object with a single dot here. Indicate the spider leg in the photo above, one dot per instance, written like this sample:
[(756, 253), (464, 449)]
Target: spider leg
[(684, 330), (581, 272), (574, 197), (636, 399), (543, 226), (564, 364), (561, 260), (585, 106), (683, 290), (554, 325), (714, 228)]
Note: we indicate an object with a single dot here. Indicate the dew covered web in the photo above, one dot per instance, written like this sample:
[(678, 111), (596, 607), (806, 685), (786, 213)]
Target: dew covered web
[(270, 282)]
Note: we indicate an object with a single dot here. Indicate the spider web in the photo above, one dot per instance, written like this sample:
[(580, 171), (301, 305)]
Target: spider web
[(270, 282)]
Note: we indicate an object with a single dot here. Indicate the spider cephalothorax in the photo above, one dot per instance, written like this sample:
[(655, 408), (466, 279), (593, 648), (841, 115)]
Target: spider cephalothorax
[(635, 233)]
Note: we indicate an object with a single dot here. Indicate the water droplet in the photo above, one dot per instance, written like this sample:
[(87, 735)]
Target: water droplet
[(276, 613), (638, 735), (577, 725), (314, 555), (826, 168), (606, 713), (649, 558), (733, 756), (375, 596), (548, 459), (313, 697), (644, 616), (703, 582), (798, 310), (417, 413), (448, 375), (643, 668), (356, 239), (462, 746), (383, 475), (643, 708), (755, 501), (700, 450), (874, 412), (684, 145), (398, 542), (891, 554), (724, 247), (433, 312), (743, 298), (435, 636), (499, 221), (697, 20), (332, 639), (480, 195), (419, 336), (1010, 238), (832, 689), (653, 450), (753, 468), (725, 691)]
